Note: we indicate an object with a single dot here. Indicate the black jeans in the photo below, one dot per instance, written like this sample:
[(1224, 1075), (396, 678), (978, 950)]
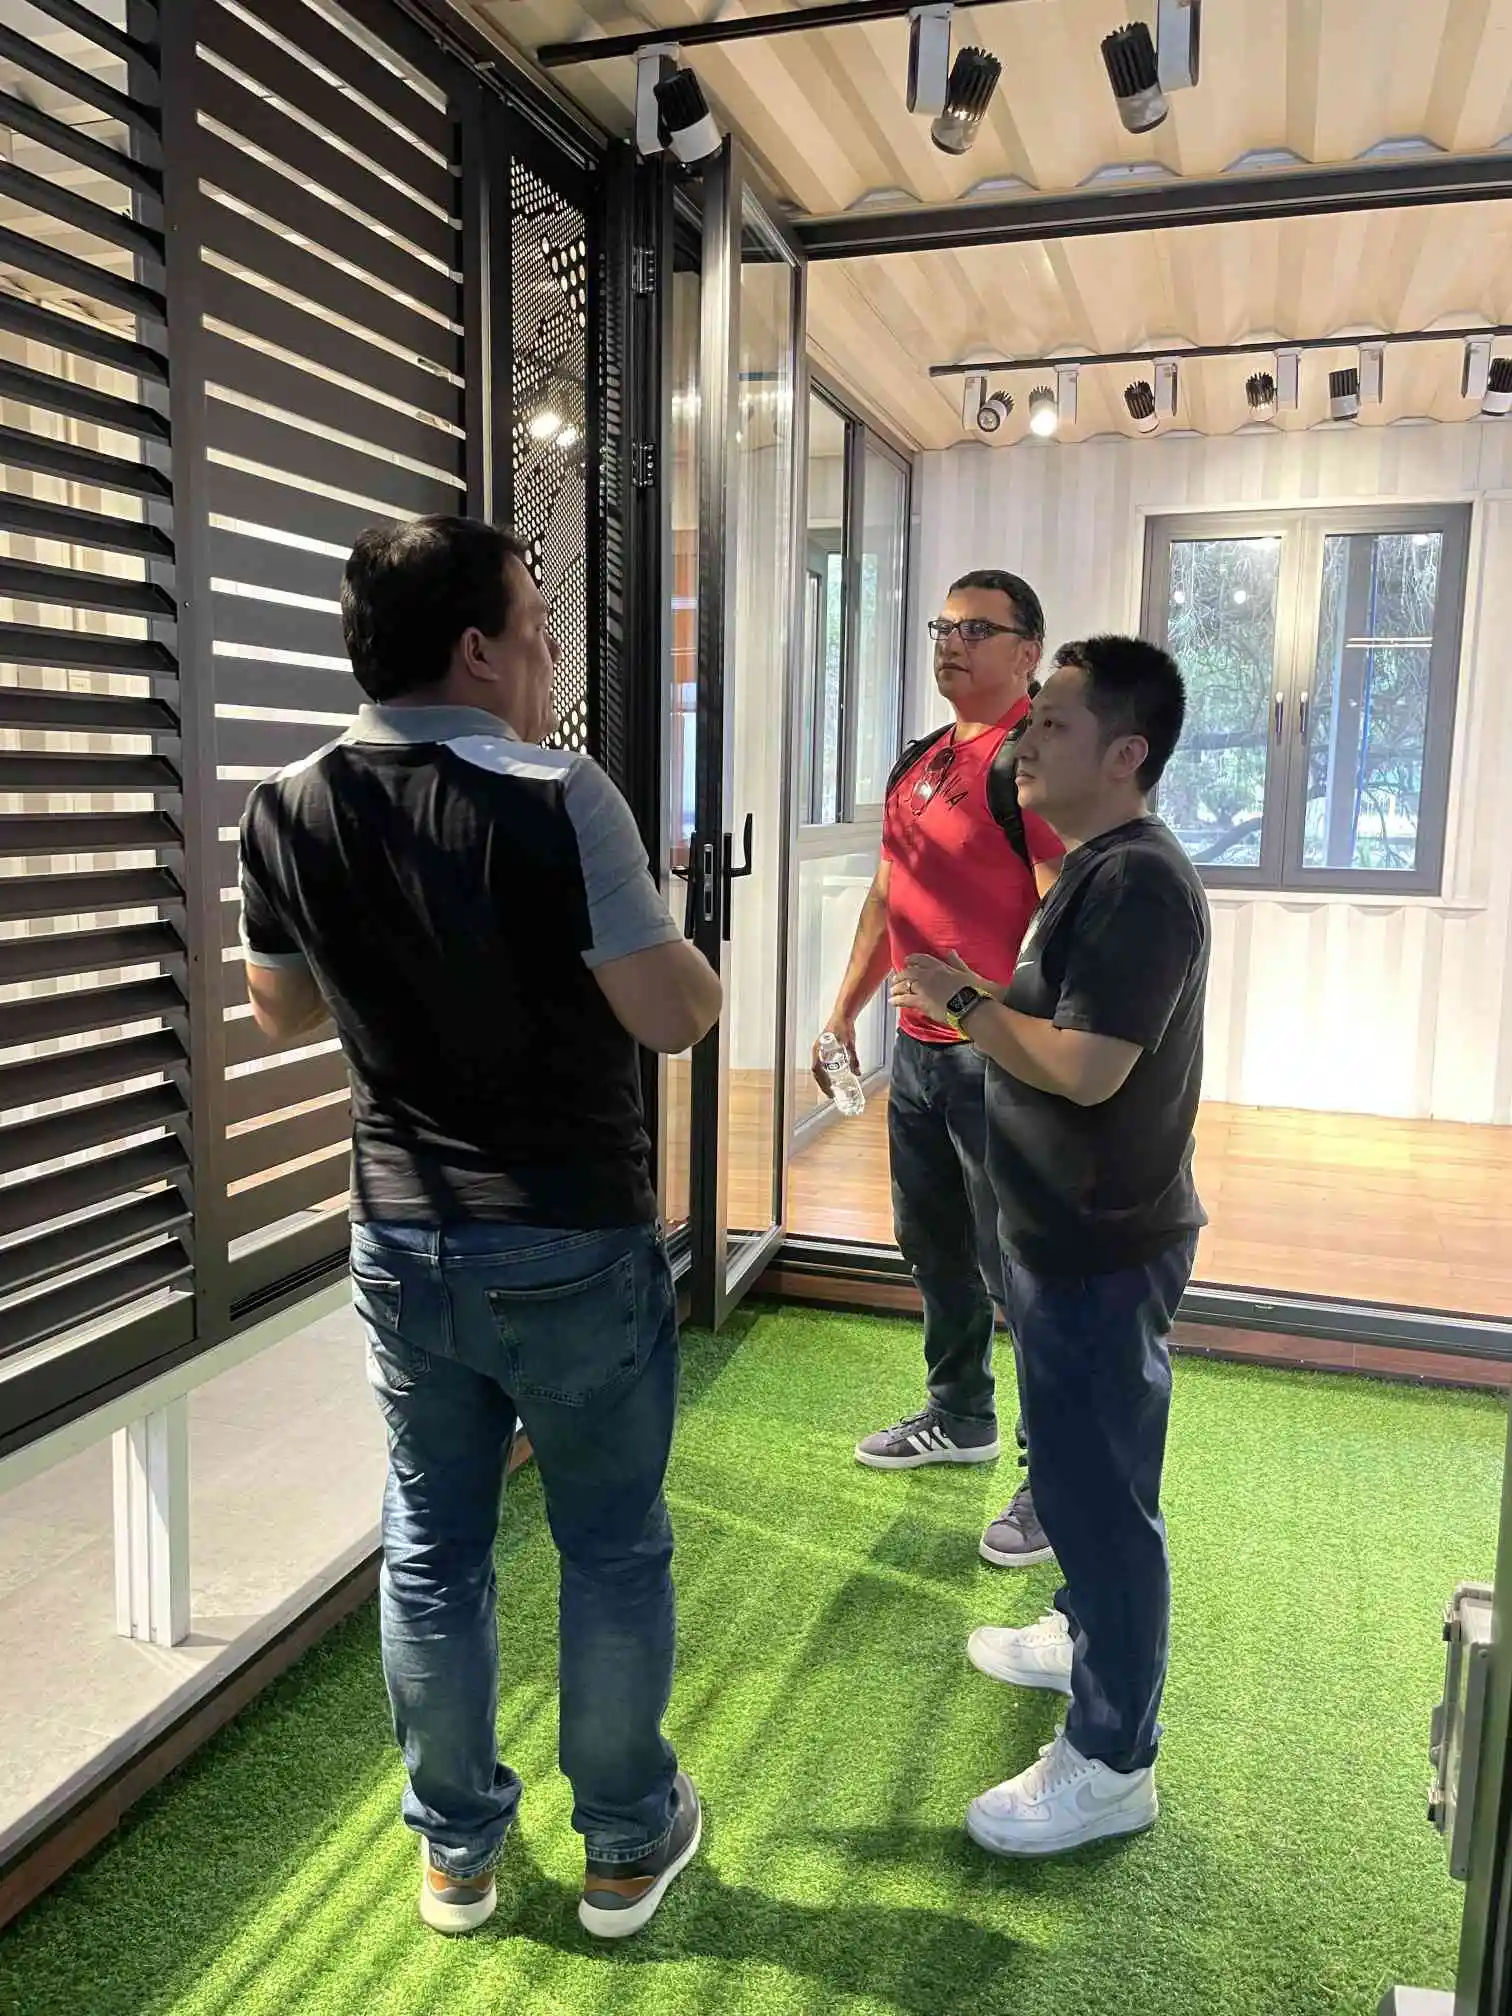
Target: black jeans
[(946, 1217), (1096, 1390)]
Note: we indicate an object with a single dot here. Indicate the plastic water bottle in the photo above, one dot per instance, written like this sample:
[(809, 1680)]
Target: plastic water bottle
[(845, 1087)]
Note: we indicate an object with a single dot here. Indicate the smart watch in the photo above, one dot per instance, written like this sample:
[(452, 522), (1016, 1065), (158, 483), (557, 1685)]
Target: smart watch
[(960, 1005)]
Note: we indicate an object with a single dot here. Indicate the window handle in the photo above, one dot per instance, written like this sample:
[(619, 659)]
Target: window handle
[(1280, 714), (1302, 717)]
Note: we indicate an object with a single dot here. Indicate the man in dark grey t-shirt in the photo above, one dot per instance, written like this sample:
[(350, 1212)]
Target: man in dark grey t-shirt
[(1094, 1074), (476, 915)]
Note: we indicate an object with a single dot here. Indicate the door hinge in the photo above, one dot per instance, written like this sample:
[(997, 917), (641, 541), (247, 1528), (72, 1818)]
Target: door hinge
[(643, 464), (643, 269)]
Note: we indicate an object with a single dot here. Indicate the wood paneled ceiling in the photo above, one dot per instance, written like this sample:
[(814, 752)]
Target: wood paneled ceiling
[(1322, 81)]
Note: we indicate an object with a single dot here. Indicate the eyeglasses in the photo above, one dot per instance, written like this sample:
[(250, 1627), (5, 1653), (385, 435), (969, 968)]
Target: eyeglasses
[(973, 630), (931, 777)]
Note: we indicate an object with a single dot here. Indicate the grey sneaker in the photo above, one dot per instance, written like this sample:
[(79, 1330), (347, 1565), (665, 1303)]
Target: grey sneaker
[(1016, 1539), (454, 1903), (619, 1898), (924, 1438)]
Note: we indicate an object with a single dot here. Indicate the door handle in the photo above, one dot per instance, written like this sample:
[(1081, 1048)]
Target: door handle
[(1280, 714), (1302, 717), (731, 872), (699, 876)]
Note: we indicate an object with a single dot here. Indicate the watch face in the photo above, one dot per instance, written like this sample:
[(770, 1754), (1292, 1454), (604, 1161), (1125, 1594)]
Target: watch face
[(959, 1003)]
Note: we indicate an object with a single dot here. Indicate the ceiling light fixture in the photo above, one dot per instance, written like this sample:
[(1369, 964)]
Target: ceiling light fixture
[(1372, 373), (654, 65), (1343, 395), (1178, 40), (1044, 415), (1476, 370), (973, 79), (695, 138), (973, 398), (1140, 400), (1498, 394), (1288, 380), (1166, 387), (1260, 391), (1134, 73), (995, 411)]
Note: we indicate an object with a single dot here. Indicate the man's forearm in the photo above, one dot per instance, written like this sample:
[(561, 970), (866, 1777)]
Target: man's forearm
[(1031, 1050), (869, 961)]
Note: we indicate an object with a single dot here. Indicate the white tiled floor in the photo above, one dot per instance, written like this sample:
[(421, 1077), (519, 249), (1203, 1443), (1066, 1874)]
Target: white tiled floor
[(286, 1465)]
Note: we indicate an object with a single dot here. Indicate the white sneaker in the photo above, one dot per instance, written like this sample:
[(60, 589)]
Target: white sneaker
[(1062, 1801), (1036, 1655)]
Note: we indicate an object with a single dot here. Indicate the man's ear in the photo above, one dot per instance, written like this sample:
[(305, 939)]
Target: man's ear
[(1129, 757)]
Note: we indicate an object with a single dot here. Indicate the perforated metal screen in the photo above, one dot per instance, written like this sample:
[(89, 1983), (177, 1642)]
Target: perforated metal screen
[(549, 288)]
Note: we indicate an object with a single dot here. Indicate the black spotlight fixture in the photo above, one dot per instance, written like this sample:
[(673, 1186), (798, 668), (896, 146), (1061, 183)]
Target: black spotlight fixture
[(973, 79), (691, 132), (995, 411), (1343, 395), (1140, 400), (1134, 73), (1498, 397), (1260, 391)]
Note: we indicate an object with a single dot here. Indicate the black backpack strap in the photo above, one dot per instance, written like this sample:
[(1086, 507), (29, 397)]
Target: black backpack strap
[(910, 756), (1002, 792)]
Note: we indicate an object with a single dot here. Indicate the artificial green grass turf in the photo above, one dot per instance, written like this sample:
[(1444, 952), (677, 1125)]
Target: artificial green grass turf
[(826, 1708)]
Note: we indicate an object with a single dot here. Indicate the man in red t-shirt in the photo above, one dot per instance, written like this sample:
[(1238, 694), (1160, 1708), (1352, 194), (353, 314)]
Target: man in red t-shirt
[(951, 880)]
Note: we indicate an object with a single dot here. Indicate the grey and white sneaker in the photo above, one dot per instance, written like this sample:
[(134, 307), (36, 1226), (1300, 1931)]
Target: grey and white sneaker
[(1016, 1539), (1034, 1655), (925, 1438)]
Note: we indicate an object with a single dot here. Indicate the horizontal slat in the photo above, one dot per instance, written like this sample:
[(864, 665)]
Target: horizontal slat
[(25, 772), (301, 209), (253, 246), (74, 588), (259, 376), (25, 450), (27, 1143), (258, 313), (316, 1251), (258, 501), (45, 1198), (32, 1261), (264, 563), (281, 1141), (50, 198), (293, 689), (82, 339), (81, 528), (402, 208), (79, 276), (78, 713), (80, 402), (270, 744), (53, 644), (293, 452), (54, 953), (60, 833), (41, 62), (279, 626), (301, 1190), (139, 55), (42, 1078), (77, 1011), (43, 1316), (93, 895), (258, 1092), (78, 145)]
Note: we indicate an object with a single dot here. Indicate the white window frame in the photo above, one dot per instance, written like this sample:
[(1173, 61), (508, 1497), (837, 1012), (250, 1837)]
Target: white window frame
[(1281, 867)]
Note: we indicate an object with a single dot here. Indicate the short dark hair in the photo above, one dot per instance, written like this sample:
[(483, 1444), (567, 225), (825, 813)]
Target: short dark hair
[(1030, 610), (1134, 688), (409, 591)]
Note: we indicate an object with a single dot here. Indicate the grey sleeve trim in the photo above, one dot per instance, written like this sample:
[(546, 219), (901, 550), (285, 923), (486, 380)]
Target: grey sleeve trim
[(279, 961), (626, 911)]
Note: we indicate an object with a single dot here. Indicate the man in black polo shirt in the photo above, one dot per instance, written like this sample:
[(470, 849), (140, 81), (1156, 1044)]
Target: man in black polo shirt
[(476, 915), (1094, 1073)]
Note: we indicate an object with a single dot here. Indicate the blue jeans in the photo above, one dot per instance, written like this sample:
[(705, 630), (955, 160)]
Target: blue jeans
[(1097, 1399), (575, 1333), (946, 1216)]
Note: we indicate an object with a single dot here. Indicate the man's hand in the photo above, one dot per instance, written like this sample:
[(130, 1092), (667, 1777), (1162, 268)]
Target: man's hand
[(926, 984), (845, 1029)]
